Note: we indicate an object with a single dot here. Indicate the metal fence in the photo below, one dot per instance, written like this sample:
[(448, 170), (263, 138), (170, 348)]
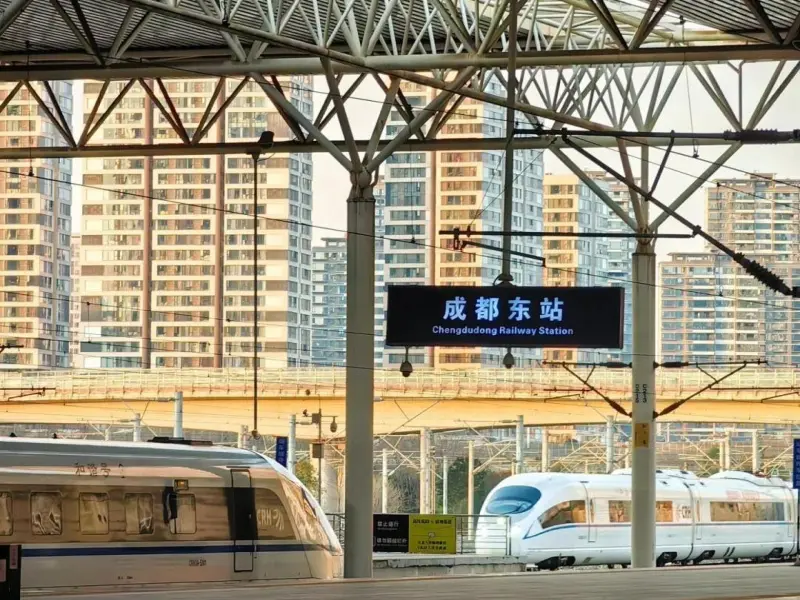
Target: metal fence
[(486, 535)]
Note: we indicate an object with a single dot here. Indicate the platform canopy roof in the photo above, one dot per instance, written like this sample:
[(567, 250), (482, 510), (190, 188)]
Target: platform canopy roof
[(118, 39)]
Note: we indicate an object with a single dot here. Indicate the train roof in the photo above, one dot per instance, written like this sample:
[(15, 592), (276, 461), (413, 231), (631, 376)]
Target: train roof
[(623, 476), (24, 451)]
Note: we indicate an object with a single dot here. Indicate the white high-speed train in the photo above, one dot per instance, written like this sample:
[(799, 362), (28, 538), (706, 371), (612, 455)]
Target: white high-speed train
[(559, 519), (99, 513)]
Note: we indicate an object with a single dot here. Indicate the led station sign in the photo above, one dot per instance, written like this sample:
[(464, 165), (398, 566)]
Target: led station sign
[(505, 316)]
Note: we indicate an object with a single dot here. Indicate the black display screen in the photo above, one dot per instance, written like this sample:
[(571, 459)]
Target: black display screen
[(505, 316)]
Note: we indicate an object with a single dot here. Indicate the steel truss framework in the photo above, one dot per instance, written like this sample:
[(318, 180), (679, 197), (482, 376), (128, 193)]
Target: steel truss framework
[(580, 64), (575, 63)]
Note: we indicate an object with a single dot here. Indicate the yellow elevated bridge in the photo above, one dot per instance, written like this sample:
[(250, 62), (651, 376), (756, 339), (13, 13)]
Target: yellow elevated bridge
[(222, 400)]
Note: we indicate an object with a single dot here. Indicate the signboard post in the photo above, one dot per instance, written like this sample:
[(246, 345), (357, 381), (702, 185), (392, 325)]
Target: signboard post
[(415, 534), (281, 450), (432, 534), (390, 533), (505, 317), (796, 465)]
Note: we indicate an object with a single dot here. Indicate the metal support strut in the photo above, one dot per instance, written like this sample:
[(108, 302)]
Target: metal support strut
[(643, 518), (508, 183), (359, 376)]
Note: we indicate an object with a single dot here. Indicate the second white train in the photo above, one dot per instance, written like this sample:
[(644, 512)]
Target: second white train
[(559, 519)]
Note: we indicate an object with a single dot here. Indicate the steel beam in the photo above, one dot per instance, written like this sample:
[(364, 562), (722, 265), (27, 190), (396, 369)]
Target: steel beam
[(291, 147), (392, 65)]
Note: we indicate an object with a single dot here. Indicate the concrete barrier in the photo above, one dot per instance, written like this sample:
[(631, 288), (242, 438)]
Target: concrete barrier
[(405, 565)]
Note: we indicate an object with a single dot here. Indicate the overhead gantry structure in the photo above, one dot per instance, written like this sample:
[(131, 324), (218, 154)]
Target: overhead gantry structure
[(587, 65)]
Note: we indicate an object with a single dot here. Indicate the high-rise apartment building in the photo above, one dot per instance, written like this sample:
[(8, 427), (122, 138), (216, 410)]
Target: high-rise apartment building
[(758, 216), (710, 308), (328, 339), (167, 243), (429, 192), (570, 206), (35, 227), (620, 258)]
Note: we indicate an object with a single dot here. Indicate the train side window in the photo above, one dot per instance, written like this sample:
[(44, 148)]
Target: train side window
[(664, 512), (619, 511), (271, 516), (573, 511), (93, 513), (138, 514), (46, 513), (6, 514), (747, 511), (186, 521)]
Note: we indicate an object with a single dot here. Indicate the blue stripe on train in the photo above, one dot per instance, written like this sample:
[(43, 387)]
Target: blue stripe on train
[(81, 550), (554, 528)]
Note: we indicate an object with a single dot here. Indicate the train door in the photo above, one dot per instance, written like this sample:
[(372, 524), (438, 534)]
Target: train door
[(698, 518), (591, 529), (243, 521), (789, 517), (691, 511)]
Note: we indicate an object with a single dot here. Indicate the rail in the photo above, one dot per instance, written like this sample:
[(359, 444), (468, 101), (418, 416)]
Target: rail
[(126, 384), (485, 535)]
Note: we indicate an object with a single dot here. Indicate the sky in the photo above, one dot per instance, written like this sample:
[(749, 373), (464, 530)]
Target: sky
[(689, 110)]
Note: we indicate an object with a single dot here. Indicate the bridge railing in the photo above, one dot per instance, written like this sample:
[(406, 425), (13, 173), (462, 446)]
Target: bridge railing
[(475, 534), (292, 382)]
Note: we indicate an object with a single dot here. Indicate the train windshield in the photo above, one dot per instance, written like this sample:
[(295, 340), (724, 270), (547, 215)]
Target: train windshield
[(513, 500)]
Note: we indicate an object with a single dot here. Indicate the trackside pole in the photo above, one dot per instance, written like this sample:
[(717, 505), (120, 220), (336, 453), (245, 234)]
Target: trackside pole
[(519, 458), (291, 450), (177, 430), (643, 517)]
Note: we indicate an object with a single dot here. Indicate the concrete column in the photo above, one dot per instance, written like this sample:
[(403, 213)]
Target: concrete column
[(721, 457), (545, 450), (385, 481), (609, 444), (107, 433), (643, 526), (756, 452), (242, 437), (291, 450), (360, 376), (137, 427), (520, 458), (177, 430)]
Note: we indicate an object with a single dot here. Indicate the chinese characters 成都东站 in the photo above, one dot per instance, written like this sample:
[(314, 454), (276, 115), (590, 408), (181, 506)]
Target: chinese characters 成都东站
[(488, 309)]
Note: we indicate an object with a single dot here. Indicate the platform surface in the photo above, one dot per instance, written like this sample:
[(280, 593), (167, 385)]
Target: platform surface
[(730, 582)]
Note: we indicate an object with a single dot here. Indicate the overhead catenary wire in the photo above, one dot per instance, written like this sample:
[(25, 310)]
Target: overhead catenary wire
[(741, 300), (215, 209)]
